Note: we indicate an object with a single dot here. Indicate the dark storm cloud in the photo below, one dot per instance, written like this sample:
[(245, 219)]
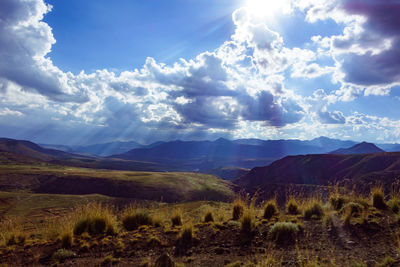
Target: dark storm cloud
[(264, 107), (382, 28)]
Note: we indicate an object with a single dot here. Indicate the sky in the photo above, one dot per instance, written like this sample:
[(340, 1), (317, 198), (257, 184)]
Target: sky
[(83, 72)]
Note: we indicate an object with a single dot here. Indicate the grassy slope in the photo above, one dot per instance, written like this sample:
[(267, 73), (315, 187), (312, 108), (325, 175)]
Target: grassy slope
[(167, 186)]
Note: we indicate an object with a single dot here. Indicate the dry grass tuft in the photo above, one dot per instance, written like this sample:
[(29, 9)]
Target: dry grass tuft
[(378, 197), (176, 218), (239, 205), (312, 209), (284, 232), (270, 209), (132, 218), (292, 206), (94, 219)]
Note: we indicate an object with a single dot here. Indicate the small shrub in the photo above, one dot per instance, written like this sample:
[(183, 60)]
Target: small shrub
[(135, 219), (63, 254), (270, 209), (247, 222), (208, 217), (292, 206), (337, 201), (238, 209), (284, 232), (378, 198), (313, 210), (176, 218)]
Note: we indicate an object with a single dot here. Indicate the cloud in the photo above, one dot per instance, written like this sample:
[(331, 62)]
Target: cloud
[(366, 53), (239, 89)]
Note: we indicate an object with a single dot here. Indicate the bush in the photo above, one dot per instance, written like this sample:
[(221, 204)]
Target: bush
[(292, 206), (284, 232), (135, 219), (270, 209), (313, 210), (337, 201), (208, 217), (247, 222), (238, 208), (176, 218), (378, 198)]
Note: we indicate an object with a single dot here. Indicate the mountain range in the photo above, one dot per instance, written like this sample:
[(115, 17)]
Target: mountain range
[(225, 158)]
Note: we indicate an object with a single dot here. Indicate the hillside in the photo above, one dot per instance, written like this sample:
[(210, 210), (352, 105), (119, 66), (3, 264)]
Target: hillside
[(165, 186), (32, 150), (361, 148), (362, 170)]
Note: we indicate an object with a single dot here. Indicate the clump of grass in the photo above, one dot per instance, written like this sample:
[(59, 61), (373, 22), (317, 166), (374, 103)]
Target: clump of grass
[(66, 239), (133, 218), (270, 209), (186, 235), (247, 221), (394, 204), (337, 201), (378, 197), (292, 206), (208, 217), (11, 233), (176, 217), (238, 208), (284, 232), (351, 210), (95, 219), (62, 254), (313, 210)]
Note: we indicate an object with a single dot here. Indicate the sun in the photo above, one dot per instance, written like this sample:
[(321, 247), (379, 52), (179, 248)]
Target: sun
[(266, 8)]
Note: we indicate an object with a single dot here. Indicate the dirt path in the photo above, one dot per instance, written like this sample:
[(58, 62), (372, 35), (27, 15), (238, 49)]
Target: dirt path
[(343, 236)]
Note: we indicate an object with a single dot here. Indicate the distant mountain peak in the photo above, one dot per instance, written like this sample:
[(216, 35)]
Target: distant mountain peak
[(360, 148)]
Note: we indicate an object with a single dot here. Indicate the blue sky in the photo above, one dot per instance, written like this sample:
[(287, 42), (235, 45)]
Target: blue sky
[(80, 71)]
